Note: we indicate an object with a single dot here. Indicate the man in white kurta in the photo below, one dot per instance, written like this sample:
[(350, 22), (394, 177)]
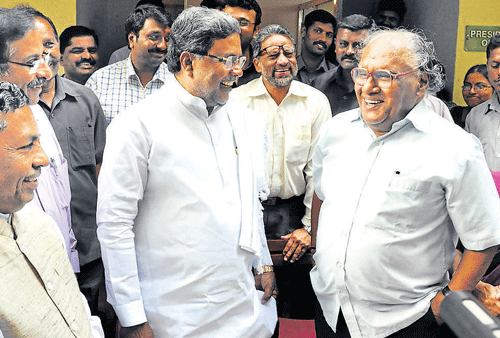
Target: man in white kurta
[(179, 217)]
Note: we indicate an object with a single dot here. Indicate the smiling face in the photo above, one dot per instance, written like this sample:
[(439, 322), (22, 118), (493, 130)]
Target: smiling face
[(80, 58), (276, 71), (21, 159), (212, 80), (382, 107), (493, 65), (349, 47), (149, 48), (30, 79), (474, 97), (318, 38)]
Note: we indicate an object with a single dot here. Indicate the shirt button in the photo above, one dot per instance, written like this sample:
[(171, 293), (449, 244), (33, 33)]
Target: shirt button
[(345, 97), (50, 287), (74, 326), (339, 264)]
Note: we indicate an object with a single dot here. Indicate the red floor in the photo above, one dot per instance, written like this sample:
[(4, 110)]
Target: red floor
[(290, 328)]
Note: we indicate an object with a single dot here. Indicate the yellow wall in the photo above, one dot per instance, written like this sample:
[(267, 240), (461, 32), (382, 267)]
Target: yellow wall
[(472, 12), (61, 12)]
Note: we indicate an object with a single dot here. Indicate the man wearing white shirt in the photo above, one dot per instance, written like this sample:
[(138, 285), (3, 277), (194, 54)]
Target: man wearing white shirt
[(294, 113), (393, 185), (179, 216)]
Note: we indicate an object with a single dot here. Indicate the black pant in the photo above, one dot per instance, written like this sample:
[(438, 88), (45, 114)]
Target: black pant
[(425, 327)]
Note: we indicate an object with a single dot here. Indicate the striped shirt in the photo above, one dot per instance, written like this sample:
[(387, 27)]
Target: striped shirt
[(118, 87)]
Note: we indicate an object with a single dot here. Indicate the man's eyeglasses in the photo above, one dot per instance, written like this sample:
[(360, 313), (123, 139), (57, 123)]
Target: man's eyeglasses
[(230, 61), (245, 22), (382, 77), (477, 87), (274, 51), (34, 65)]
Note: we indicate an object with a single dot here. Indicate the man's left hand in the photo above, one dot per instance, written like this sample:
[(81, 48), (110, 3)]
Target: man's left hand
[(267, 283), (298, 243)]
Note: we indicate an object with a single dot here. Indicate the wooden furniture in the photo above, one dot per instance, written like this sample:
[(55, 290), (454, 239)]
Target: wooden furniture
[(276, 247)]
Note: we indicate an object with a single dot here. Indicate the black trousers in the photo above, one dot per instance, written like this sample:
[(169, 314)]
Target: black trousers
[(425, 327)]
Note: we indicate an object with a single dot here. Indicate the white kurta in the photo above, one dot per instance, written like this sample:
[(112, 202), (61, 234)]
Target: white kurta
[(170, 215)]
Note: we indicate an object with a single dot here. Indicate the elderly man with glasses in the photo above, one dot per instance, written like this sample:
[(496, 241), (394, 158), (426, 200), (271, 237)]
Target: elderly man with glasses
[(393, 185), (179, 217), (294, 113)]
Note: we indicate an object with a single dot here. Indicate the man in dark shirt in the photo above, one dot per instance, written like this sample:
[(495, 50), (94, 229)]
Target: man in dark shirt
[(337, 84)]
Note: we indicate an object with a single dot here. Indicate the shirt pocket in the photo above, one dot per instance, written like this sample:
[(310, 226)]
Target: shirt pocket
[(298, 144), (81, 147), (408, 203)]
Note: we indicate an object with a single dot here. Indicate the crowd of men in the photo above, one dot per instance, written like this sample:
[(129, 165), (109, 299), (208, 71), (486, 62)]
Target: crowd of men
[(222, 137)]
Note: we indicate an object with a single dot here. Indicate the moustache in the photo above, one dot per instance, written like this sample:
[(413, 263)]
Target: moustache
[(36, 83), (320, 43), (91, 62), (157, 50), (348, 57)]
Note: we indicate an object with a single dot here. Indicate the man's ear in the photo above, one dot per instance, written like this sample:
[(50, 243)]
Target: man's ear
[(186, 62), (130, 39), (423, 83), (257, 64), (303, 32), (256, 30)]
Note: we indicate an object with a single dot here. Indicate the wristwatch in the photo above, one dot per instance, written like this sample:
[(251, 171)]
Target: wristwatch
[(267, 268)]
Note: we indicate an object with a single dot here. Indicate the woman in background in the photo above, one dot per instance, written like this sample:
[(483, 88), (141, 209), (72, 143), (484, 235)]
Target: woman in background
[(475, 90)]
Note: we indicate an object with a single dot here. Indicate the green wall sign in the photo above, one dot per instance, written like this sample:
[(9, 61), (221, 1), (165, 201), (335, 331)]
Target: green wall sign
[(477, 37)]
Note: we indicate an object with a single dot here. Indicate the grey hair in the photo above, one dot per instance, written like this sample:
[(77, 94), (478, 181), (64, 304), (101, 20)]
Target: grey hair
[(195, 30), (266, 32), (11, 33), (12, 98), (421, 51)]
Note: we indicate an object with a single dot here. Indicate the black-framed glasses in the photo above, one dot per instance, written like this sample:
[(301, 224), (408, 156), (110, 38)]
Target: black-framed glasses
[(245, 22), (382, 77), (230, 61), (477, 87), (274, 51), (34, 65)]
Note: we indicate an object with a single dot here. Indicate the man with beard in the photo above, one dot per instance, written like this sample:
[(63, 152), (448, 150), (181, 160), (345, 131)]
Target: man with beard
[(122, 84), (317, 37), (78, 47), (294, 113), (337, 84), (484, 119), (80, 127), (180, 222)]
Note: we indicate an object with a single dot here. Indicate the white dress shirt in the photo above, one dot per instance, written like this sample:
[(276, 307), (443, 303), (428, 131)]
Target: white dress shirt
[(171, 215), (293, 127), (483, 121), (392, 208)]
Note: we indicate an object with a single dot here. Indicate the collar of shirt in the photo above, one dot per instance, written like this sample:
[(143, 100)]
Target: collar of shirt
[(64, 88), (161, 72), (301, 65), (494, 104), (197, 105), (259, 89)]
